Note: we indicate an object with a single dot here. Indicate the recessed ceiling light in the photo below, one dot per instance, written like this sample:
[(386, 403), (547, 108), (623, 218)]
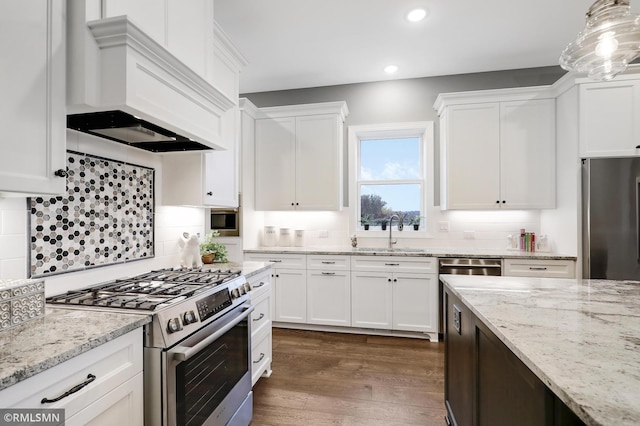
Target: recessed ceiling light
[(390, 69), (416, 15)]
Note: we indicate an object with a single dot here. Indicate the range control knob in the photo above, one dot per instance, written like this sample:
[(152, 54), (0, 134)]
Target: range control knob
[(174, 325), (242, 290), (235, 293), (247, 287), (189, 317)]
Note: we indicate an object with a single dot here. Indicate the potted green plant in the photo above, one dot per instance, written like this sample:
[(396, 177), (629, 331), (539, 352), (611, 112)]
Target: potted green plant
[(383, 223), (212, 250), (366, 220), (415, 221)]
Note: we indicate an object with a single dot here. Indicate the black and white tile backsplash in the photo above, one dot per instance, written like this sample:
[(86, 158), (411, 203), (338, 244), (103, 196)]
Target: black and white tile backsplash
[(107, 217)]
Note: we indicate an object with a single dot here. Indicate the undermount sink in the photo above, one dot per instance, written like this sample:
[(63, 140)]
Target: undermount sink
[(389, 250)]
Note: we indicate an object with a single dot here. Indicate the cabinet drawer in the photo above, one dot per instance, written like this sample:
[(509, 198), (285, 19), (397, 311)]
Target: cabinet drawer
[(539, 268), (290, 261), (260, 357), (261, 316), (260, 284), (394, 264), (113, 363), (328, 262)]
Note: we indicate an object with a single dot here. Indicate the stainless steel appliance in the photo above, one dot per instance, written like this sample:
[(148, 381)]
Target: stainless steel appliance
[(610, 218), (463, 266), (197, 347), (226, 221)]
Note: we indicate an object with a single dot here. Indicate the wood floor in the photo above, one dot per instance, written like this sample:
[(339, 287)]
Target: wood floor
[(350, 379)]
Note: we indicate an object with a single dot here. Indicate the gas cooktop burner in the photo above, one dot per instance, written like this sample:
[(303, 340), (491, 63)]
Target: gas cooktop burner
[(148, 291)]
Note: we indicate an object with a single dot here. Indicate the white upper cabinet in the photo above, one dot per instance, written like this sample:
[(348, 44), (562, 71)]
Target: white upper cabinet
[(609, 117), (497, 149), (299, 157), (32, 111)]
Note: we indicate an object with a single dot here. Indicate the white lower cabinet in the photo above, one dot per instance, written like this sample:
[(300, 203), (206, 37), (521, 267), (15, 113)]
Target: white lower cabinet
[(385, 296), (261, 335), (328, 290), (542, 268), (115, 396)]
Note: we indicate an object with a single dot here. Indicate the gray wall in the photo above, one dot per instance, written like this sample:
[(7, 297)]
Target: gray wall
[(405, 100)]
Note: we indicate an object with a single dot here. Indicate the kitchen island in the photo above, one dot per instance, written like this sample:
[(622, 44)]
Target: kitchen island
[(579, 340)]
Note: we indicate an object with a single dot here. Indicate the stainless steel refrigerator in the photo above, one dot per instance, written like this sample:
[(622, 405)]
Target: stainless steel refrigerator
[(610, 221)]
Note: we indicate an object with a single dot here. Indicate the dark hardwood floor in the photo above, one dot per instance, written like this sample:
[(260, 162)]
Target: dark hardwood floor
[(349, 379)]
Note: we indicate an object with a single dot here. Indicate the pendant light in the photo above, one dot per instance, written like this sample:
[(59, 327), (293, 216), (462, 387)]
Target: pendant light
[(608, 43)]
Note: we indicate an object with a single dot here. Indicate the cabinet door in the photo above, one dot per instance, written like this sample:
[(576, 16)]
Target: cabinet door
[(415, 302), (33, 107), (183, 177), (290, 295), (527, 154), (328, 298), (609, 124), (371, 300), (221, 168), (275, 164), (318, 162), (471, 147)]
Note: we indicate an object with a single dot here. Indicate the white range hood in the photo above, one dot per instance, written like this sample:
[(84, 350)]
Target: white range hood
[(115, 68)]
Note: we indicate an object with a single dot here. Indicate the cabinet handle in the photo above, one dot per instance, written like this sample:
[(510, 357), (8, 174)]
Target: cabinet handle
[(210, 194), (328, 273), (389, 279), (326, 262), (497, 201), (259, 318), (292, 204), (76, 388), (276, 261), (395, 280), (391, 264), (504, 201), (259, 359), (259, 285), (537, 268), (61, 173)]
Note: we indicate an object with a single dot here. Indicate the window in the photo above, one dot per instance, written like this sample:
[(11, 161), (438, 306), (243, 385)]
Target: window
[(389, 173)]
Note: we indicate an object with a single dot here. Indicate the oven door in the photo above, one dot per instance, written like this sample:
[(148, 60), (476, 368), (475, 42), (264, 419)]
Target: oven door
[(209, 374)]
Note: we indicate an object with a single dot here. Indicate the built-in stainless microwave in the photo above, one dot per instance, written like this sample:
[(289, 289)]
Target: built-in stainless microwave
[(226, 221)]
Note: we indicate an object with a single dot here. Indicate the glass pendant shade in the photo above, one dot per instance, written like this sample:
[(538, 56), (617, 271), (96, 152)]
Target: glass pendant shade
[(608, 43)]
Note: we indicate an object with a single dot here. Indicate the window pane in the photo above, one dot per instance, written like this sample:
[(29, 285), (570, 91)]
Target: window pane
[(381, 201), (390, 159)]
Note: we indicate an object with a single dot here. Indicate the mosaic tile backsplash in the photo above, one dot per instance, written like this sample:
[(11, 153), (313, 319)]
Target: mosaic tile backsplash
[(105, 218)]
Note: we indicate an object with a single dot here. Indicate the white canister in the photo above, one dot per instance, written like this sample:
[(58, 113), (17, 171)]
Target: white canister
[(298, 238), (285, 237), (269, 236)]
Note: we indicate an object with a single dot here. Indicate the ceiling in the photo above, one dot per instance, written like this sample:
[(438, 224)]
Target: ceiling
[(309, 43)]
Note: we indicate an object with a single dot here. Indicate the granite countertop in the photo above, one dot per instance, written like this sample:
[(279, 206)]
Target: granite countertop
[(413, 251), (248, 268), (60, 335), (580, 337)]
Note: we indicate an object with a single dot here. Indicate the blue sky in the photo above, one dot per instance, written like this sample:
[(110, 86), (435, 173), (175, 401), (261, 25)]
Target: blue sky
[(392, 159)]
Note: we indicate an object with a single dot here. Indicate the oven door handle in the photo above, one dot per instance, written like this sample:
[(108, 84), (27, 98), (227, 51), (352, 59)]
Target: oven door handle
[(183, 353)]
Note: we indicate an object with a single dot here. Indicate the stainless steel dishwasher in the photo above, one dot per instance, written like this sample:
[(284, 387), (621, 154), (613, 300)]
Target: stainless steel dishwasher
[(464, 266)]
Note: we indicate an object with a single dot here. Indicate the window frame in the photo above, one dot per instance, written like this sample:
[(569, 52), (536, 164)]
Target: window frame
[(420, 129)]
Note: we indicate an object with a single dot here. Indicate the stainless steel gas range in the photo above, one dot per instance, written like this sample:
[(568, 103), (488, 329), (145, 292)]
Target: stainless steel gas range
[(197, 347)]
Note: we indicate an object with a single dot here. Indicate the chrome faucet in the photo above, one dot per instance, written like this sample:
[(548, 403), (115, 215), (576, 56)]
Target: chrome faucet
[(391, 241)]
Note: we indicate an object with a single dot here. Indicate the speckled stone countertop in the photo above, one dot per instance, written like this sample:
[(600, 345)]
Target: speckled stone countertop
[(60, 335), (248, 268), (580, 337), (412, 251)]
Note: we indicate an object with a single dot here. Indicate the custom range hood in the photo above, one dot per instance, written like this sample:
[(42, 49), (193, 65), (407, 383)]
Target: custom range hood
[(124, 86)]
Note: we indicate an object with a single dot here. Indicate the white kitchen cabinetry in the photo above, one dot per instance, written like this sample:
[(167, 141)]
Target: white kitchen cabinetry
[(609, 111), (395, 293), (115, 396), (289, 279), (261, 335), (328, 290), (497, 149), (298, 154), (203, 178), (542, 268), (32, 111)]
